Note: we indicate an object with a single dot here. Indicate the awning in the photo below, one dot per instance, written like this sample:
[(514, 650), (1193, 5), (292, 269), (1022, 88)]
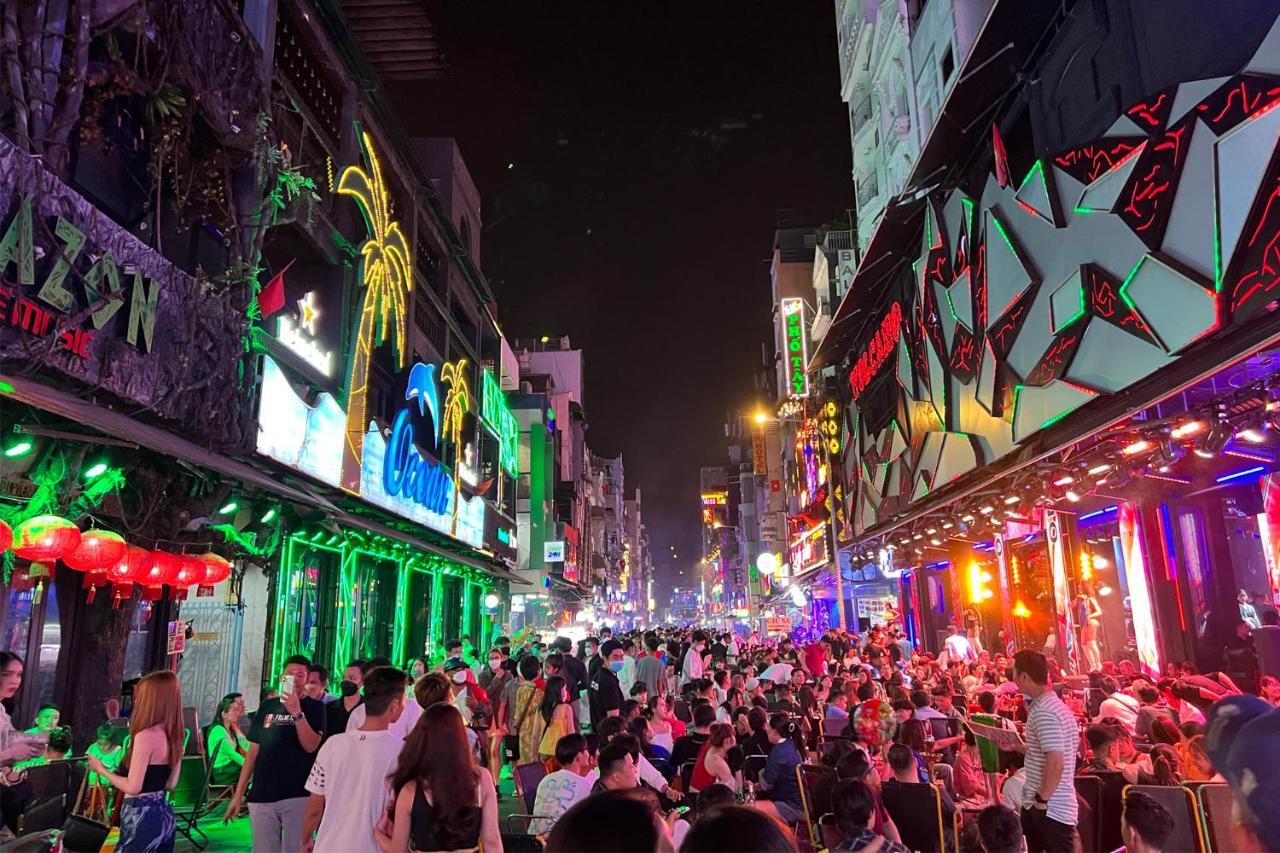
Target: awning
[(423, 545), (153, 438)]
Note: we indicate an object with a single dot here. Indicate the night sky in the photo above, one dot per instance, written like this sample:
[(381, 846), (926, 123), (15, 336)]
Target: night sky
[(631, 159)]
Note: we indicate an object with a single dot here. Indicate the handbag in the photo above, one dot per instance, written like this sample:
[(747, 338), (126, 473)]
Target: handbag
[(82, 834)]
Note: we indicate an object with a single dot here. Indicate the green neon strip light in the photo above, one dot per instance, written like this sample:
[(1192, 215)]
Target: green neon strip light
[(1017, 392), (1124, 287), (1084, 210), (1217, 248), (1079, 312), (1053, 420), (497, 416), (1037, 168)]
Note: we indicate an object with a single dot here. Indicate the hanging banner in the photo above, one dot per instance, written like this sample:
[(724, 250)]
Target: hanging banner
[(1135, 572), (758, 453), (1063, 629)]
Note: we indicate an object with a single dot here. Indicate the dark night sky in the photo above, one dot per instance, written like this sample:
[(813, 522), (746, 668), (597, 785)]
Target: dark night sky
[(631, 158)]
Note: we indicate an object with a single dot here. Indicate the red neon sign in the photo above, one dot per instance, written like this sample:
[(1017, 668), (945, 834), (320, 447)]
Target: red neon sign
[(877, 352)]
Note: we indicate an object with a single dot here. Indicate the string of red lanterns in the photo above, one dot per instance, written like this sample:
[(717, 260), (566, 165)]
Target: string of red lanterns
[(106, 558)]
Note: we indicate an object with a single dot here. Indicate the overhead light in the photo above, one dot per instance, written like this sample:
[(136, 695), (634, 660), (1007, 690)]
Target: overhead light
[(1136, 447), (931, 531), (1099, 469), (1251, 435), (1204, 454), (1072, 496), (1212, 442), (1105, 590), (1065, 480), (1012, 499), (1184, 430), (968, 519), (95, 470), (918, 536), (21, 447), (946, 525), (228, 508), (269, 515), (987, 510), (1255, 471), (935, 541)]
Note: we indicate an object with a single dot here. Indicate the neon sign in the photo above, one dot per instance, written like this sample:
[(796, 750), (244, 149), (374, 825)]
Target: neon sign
[(387, 280), (497, 416), (301, 340), (797, 347), (877, 352), (404, 470)]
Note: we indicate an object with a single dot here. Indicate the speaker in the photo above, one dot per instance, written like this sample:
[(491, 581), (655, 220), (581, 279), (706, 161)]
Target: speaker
[(1267, 642)]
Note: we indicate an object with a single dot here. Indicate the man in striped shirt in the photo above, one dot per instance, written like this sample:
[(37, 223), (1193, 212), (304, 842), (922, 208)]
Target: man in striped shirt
[(1049, 796)]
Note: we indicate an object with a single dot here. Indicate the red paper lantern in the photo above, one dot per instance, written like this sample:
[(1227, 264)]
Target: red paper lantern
[(161, 569), (46, 538), (191, 571), (131, 567), (217, 568), (6, 537), (97, 550)]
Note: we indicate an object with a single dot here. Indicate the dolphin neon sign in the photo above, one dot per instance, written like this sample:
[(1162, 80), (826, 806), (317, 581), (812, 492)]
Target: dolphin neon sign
[(405, 472)]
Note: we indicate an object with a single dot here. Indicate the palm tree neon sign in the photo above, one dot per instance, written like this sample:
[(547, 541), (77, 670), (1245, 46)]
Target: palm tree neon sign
[(387, 280), (456, 404)]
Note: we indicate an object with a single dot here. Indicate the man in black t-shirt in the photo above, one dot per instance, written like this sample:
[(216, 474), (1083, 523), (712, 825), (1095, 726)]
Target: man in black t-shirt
[(284, 738), (719, 650), (606, 692)]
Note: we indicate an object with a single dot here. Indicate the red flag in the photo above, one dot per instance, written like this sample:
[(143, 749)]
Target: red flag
[(1001, 159), (271, 297)]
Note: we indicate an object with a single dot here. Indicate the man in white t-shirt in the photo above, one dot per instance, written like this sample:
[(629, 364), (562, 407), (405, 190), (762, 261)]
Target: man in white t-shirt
[(558, 791), (958, 646), (348, 781)]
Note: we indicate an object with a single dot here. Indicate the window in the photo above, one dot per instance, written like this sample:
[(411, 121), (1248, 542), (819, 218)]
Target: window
[(948, 65)]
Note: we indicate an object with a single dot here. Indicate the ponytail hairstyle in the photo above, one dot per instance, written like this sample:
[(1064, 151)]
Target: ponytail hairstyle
[(787, 729), (1165, 765)]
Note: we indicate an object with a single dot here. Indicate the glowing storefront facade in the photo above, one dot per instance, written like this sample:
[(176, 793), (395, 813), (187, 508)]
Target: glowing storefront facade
[(1062, 410)]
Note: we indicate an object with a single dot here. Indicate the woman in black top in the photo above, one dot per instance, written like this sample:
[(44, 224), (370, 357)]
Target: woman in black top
[(443, 800)]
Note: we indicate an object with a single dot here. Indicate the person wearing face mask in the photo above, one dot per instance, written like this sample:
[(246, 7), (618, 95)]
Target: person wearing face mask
[(606, 691), (693, 664), (494, 681)]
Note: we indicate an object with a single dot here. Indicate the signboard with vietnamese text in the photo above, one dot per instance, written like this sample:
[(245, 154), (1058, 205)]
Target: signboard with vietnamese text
[(796, 336), (778, 624)]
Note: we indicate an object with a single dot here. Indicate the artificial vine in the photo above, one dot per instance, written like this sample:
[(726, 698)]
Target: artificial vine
[(248, 542)]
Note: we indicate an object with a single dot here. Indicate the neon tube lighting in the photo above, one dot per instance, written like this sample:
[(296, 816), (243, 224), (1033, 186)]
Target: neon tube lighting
[(1099, 512), (1256, 470)]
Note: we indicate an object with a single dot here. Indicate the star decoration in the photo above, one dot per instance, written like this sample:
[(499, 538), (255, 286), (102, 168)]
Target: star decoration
[(308, 312)]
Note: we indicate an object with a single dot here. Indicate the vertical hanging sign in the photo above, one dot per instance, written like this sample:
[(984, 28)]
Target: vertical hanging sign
[(1064, 632), (797, 347)]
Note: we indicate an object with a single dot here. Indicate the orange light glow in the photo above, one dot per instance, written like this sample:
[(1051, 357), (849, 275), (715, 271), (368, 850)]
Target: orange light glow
[(1020, 610)]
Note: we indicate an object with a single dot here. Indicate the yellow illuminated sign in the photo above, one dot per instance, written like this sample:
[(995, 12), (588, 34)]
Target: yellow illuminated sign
[(384, 305)]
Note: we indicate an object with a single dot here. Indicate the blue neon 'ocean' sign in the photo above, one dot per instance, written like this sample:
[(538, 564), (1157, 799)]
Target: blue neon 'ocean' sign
[(405, 471)]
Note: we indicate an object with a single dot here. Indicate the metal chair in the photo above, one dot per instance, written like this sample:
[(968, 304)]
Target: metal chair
[(916, 810), (1215, 802), (806, 776), (1181, 804), (527, 777)]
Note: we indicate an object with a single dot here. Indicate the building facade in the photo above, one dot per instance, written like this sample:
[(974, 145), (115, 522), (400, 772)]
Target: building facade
[(1061, 386)]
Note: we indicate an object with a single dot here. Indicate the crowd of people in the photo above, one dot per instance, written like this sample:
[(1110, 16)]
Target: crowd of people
[(683, 739)]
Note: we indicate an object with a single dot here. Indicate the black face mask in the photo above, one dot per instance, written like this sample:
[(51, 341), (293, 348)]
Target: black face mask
[(350, 688)]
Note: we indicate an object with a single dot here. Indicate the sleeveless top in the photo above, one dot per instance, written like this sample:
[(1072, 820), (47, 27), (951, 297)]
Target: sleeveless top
[(155, 778), (424, 834), (702, 777)]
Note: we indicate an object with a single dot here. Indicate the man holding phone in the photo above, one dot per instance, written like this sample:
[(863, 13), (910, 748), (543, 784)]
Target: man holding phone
[(285, 735)]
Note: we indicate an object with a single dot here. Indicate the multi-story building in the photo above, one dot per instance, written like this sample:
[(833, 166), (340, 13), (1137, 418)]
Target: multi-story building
[(1073, 304), (338, 427), (897, 62)]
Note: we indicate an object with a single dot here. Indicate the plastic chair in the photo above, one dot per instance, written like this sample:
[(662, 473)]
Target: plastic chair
[(1216, 805), (1187, 834), (189, 798), (916, 810), (527, 777)]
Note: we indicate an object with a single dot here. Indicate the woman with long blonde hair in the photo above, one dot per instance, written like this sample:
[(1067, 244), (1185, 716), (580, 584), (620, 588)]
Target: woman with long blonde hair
[(150, 765)]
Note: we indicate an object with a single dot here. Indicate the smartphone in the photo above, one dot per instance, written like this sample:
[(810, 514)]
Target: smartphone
[(681, 809), (286, 686)]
